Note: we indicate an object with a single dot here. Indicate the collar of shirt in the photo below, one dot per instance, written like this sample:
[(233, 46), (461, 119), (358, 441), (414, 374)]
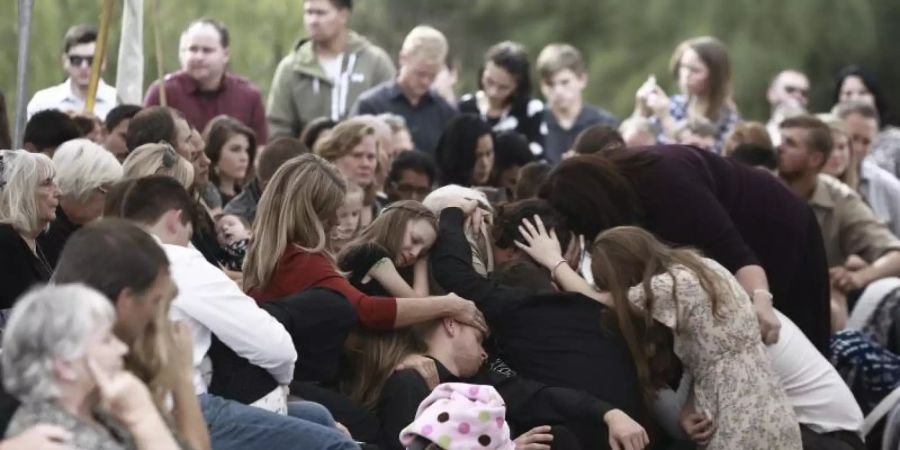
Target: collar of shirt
[(822, 195), (177, 250), (395, 93), (444, 374), (191, 86), (66, 92)]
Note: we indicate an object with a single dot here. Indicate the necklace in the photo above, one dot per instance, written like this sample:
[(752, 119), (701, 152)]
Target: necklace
[(45, 264)]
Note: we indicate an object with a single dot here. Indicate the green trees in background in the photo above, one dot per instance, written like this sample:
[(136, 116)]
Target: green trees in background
[(624, 41)]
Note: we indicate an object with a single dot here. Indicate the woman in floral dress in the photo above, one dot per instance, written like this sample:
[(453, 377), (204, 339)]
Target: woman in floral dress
[(659, 292)]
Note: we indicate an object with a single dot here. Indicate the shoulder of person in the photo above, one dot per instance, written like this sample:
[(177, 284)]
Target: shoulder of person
[(597, 114), (468, 103), (406, 380), (365, 48), (838, 190), (244, 83), (376, 92), (362, 256)]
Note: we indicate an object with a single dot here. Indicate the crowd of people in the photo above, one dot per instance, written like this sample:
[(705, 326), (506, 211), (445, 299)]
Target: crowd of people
[(369, 260)]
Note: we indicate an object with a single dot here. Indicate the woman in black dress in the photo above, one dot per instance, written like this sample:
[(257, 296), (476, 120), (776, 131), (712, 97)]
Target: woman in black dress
[(28, 200), (742, 217)]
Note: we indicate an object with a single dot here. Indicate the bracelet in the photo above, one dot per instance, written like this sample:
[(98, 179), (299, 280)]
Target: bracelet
[(768, 294), (556, 266)]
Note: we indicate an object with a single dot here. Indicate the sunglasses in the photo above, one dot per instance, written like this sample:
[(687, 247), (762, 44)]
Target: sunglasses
[(78, 61), (795, 90)]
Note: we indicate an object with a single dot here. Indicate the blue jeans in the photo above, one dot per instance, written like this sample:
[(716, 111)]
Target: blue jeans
[(310, 412), (236, 426)]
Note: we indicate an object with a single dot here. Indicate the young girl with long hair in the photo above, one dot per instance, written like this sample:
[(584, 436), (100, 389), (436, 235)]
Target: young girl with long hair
[(398, 240)]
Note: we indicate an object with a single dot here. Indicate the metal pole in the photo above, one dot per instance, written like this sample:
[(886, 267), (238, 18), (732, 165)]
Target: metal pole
[(99, 55), (26, 8), (160, 73)]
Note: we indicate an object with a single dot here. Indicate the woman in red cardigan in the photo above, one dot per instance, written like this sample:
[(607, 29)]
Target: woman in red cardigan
[(288, 254)]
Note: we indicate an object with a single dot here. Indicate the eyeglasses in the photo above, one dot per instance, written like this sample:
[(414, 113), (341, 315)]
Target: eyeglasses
[(78, 61), (796, 90)]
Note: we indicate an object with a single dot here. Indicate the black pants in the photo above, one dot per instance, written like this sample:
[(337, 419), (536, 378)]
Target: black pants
[(838, 440)]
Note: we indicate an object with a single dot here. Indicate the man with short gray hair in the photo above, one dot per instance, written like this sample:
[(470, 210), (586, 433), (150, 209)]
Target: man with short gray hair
[(85, 172)]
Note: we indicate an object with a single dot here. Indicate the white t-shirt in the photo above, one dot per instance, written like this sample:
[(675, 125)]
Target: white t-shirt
[(819, 396), (332, 67)]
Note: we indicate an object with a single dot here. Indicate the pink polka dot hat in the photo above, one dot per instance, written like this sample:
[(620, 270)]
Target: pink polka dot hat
[(459, 416)]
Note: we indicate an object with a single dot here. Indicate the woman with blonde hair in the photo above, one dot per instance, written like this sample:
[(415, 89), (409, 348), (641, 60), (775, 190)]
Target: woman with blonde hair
[(289, 252), (843, 163), (28, 200), (663, 295), (703, 71), (353, 147), (158, 159)]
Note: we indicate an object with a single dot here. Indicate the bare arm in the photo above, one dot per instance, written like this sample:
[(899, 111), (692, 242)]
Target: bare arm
[(888, 265), (411, 311), (385, 273), (543, 247), (753, 279), (420, 277)]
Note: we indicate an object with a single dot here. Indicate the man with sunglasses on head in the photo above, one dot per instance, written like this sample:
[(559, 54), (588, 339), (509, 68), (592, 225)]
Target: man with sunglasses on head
[(788, 95), (77, 57)]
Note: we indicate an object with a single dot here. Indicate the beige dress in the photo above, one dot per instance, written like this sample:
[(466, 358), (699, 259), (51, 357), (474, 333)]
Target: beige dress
[(733, 377)]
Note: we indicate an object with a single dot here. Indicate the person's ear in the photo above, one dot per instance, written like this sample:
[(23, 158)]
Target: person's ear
[(818, 160), (171, 220), (582, 79), (65, 370), (450, 326)]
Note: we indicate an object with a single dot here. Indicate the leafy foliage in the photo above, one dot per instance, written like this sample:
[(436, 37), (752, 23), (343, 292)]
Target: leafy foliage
[(624, 41)]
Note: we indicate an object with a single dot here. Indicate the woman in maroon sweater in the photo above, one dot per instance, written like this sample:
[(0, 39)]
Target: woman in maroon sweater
[(742, 217), (288, 254)]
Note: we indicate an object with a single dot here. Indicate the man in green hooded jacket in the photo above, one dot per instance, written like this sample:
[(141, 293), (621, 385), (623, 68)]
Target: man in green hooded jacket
[(325, 72)]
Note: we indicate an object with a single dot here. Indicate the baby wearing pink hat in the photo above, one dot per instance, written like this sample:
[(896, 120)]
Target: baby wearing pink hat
[(459, 416)]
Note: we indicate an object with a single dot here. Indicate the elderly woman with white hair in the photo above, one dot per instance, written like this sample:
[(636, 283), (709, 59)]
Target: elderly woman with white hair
[(62, 361), (28, 200), (85, 173)]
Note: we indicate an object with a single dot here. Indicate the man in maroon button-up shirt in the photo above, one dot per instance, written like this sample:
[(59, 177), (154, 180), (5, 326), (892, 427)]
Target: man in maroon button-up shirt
[(203, 88)]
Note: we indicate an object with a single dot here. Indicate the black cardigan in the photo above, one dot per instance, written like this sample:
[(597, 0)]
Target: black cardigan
[(554, 338), (20, 269)]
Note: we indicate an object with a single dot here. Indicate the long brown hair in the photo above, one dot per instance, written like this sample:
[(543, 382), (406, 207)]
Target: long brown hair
[(296, 208), (387, 230), (150, 355), (372, 357), (623, 257), (715, 55)]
